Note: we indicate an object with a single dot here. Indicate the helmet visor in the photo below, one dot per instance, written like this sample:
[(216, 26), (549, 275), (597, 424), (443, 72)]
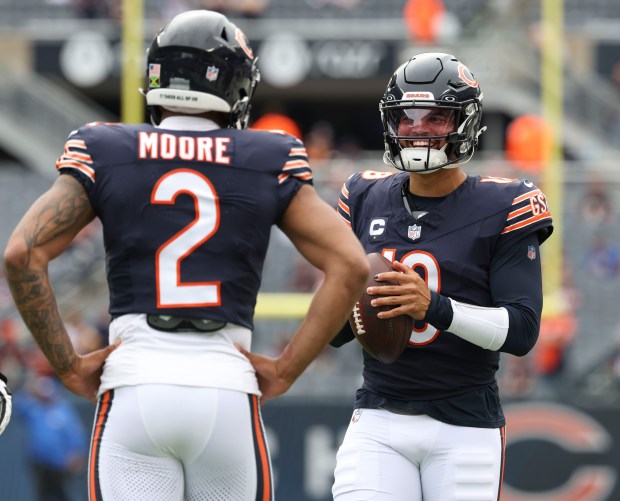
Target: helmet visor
[(420, 121)]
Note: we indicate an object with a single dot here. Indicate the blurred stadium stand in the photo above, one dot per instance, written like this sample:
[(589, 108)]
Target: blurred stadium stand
[(41, 102), (37, 108)]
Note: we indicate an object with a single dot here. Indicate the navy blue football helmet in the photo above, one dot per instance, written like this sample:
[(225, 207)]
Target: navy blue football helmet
[(436, 89), (201, 62)]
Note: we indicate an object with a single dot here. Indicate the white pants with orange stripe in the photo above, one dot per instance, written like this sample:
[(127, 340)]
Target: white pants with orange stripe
[(395, 457), (157, 442)]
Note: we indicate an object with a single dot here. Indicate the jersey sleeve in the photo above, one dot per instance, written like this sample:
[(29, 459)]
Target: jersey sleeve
[(296, 165), (294, 169), (344, 199), (77, 161), (516, 284), (528, 213)]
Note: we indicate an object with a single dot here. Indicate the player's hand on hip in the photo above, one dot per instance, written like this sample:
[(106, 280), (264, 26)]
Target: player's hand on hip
[(411, 297), (270, 382), (84, 377)]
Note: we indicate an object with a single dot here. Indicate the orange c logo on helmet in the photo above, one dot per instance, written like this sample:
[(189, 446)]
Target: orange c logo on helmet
[(467, 76), (244, 43)]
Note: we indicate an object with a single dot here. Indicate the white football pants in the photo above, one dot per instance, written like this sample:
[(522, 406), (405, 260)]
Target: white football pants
[(157, 442), (395, 457)]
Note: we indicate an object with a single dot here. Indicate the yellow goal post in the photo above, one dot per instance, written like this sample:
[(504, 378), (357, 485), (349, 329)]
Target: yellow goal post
[(282, 305)]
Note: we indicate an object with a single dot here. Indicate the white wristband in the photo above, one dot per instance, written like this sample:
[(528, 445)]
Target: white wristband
[(484, 327)]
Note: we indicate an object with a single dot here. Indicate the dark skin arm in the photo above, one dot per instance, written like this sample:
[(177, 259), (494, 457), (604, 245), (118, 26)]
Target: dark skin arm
[(328, 244), (45, 231)]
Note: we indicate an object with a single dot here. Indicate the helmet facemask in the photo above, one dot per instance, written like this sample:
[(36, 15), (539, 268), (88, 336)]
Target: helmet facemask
[(448, 137)]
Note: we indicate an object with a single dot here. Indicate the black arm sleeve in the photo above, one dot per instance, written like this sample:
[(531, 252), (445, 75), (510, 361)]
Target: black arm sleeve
[(439, 313), (343, 337), (516, 284)]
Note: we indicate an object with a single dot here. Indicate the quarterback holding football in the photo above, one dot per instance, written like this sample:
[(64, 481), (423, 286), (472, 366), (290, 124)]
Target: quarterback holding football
[(466, 268)]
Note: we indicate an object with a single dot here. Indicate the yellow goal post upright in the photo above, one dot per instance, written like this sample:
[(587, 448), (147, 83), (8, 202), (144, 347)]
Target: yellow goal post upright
[(552, 52), (282, 305), (132, 61)]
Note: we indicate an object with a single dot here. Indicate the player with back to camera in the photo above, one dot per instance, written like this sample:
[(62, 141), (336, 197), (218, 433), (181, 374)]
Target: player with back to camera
[(465, 250), (187, 205)]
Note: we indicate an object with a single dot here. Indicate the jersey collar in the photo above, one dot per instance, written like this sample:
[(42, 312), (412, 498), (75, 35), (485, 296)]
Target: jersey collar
[(185, 122)]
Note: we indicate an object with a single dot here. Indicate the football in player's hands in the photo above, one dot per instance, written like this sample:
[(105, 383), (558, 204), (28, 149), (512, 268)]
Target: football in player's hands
[(384, 339)]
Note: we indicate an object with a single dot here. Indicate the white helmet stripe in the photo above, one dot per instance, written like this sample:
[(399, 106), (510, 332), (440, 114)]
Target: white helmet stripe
[(188, 101)]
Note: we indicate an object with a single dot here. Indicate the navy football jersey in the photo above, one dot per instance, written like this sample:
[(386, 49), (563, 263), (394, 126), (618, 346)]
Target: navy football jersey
[(186, 214), (451, 247)]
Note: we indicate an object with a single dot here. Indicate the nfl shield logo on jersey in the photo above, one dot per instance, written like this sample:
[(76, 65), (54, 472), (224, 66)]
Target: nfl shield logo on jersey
[(531, 252), (212, 73), (414, 232)]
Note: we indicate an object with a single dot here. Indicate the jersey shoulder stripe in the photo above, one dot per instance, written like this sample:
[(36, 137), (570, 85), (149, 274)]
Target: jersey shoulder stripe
[(357, 185), (343, 208), (297, 164), (527, 209), (275, 152), (75, 156)]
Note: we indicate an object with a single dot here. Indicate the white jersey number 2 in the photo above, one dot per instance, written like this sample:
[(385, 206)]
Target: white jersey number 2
[(171, 292)]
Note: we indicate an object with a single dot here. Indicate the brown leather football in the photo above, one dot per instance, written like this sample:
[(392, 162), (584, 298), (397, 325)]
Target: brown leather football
[(384, 339)]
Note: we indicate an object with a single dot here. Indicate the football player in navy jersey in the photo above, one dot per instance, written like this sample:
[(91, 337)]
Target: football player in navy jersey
[(187, 206), (465, 250)]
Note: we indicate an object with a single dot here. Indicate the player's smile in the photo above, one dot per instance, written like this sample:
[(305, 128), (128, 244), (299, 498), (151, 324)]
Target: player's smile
[(422, 143)]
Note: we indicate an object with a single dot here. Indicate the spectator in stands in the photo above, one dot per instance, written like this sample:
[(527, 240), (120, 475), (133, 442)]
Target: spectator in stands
[(57, 444), (275, 117), (596, 206), (93, 9), (422, 18)]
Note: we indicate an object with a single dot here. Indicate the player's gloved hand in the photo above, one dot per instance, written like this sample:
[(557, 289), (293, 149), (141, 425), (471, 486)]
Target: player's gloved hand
[(5, 403)]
